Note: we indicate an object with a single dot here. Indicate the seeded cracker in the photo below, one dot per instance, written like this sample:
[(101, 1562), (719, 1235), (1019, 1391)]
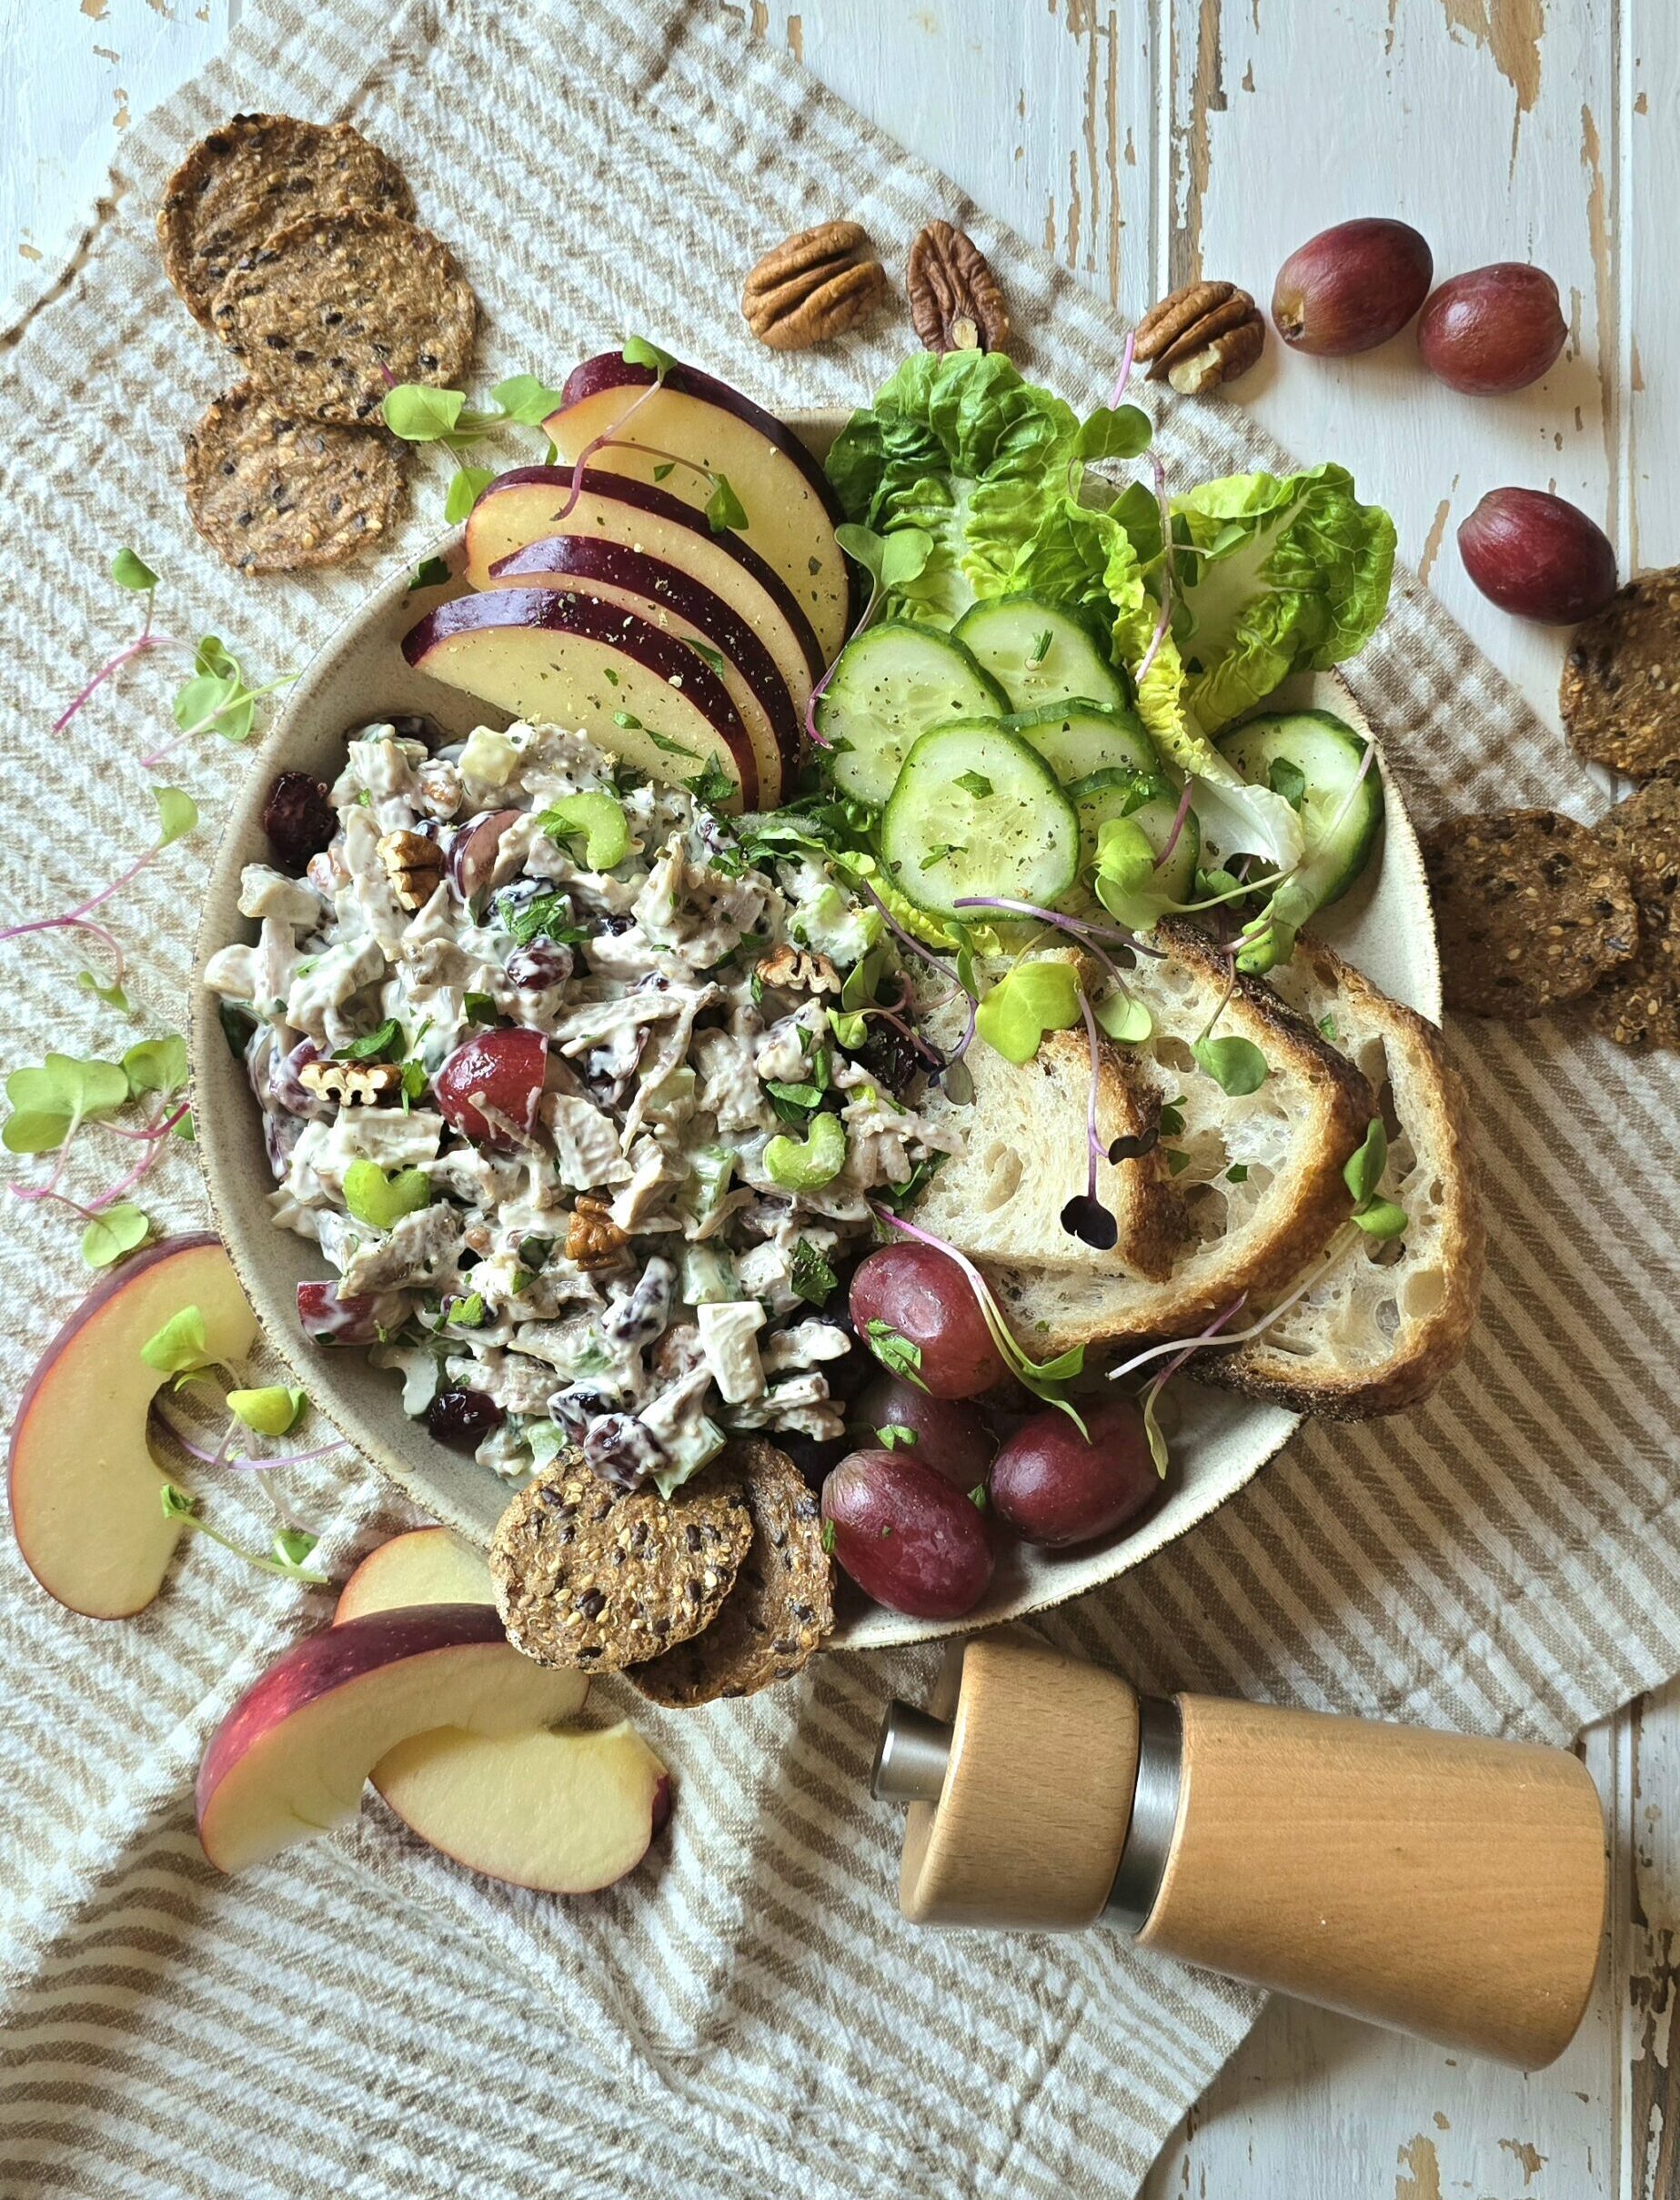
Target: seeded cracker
[(1620, 692), (329, 313), (1532, 910), (258, 174), (589, 1578), (1639, 1005), (275, 493), (781, 1607)]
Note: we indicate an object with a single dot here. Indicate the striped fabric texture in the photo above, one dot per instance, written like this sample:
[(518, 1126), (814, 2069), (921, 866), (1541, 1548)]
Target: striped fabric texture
[(745, 2015)]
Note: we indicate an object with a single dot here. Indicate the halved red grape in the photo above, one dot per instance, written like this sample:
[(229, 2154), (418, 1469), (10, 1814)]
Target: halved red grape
[(1538, 556), (473, 852), (356, 1319), (1053, 1487), (947, 1434), (502, 1070), (1351, 286), (917, 1312), (1492, 329), (906, 1536)]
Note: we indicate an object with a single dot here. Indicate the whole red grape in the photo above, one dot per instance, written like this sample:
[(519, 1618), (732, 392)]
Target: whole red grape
[(1494, 329), (947, 1434), (917, 1312), (499, 1070), (1352, 287), (907, 1538), (1053, 1487), (1538, 556)]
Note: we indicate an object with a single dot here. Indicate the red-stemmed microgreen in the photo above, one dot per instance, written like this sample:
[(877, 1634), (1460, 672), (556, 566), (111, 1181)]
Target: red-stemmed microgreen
[(284, 1556), (1084, 1216), (53, 1103), (130, 571), (1169, 845), (925, 954), (1044, 1379)]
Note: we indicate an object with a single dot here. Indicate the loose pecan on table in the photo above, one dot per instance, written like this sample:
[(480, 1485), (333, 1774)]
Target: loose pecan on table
[(955, 302), (1201, 335), (815, 286)]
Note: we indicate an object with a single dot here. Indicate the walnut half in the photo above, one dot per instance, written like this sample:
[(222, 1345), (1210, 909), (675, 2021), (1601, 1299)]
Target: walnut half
[(414, 865), (593, 1239), (955, 302), (799, 970), (353, 1084)]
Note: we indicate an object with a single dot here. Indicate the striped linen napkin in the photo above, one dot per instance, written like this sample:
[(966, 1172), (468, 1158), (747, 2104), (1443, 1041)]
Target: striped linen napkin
[(746, 2014)]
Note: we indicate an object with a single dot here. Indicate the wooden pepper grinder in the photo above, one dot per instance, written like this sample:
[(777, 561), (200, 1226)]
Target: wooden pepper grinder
[(1441, 1885)]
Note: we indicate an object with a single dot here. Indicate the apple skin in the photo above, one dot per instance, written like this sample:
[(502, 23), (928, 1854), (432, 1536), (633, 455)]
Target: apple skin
[(541, 495), (425, 1566), (599, 393), (83, 1484), (461, 636), (291, 1757), (591, 566)]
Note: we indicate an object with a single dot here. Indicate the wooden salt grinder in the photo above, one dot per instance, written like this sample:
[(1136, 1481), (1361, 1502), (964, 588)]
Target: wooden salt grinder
[(1441, 1884)]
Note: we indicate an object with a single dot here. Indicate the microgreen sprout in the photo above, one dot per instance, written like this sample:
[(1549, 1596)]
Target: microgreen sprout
[(415, 412), (890, 562), (284, 1556), (926, 953), (1377, 1217), (1044, 1378), (1084, 1216)]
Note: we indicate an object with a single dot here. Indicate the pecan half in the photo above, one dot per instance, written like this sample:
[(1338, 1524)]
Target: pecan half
[(593, 1239), (353, 1084), (814, 287), (414, 866), (799, 970), (955, 302), (1201, 335)]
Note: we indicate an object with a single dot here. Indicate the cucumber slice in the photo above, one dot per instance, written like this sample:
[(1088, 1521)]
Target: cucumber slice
[(1109, 767), (890, 686), (1038, 653), (1313, 759), (1083, 743), (977, 812)]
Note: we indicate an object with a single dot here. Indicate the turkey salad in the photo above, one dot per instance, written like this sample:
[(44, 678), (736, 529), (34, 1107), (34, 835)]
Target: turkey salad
[(583, 1091)]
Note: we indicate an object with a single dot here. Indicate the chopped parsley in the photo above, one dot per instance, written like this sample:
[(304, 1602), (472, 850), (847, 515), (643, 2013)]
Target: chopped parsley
[(895, 1351), (811, 1277)]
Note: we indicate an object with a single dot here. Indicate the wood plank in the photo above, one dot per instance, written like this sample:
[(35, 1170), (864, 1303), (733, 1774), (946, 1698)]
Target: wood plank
[(1497, 142)]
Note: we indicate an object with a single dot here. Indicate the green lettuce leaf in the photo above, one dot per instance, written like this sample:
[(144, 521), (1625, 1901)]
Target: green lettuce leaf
[(990, 467), (1290, 573)]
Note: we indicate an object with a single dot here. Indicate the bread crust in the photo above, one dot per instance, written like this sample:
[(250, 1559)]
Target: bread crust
[(1436, 1115)]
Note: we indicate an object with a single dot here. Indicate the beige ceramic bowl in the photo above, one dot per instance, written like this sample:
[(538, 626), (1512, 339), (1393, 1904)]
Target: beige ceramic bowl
[(360, 677)]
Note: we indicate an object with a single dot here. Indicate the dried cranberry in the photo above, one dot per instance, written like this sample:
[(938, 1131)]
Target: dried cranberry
[(892, 1057), (463, 1418), (298, 819)]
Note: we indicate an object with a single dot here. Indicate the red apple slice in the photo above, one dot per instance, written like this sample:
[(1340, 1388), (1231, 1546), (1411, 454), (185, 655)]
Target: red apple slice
[(84, 1487), (564, 1813), (533, 502), (792, 510), (427, 1566), (681, 606), (291, 1757), (568, 660)]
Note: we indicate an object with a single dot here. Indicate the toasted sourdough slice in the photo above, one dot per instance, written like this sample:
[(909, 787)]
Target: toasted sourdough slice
[(1001, 1195), (1389, 1319), (1289, 1142)]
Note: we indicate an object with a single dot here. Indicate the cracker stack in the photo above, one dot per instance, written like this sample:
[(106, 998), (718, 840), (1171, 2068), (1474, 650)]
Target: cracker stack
[(295, 243)]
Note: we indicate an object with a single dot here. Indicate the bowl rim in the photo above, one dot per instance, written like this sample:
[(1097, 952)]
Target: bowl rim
[(225, 1170)]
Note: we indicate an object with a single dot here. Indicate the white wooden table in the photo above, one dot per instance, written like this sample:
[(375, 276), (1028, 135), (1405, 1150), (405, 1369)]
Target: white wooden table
[(1144, 141)]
